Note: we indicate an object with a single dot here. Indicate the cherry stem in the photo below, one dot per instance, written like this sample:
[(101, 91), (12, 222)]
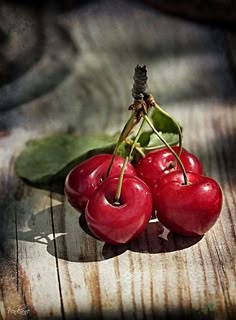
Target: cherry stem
[(125, 132), (136, 138), (169, 147), (140, 151), (121, 177), (137, 147), (140, 82), (138, 92), (120, 182), (151, 101)]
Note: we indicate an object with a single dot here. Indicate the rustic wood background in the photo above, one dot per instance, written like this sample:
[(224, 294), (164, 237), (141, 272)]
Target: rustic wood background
[(71, 71)]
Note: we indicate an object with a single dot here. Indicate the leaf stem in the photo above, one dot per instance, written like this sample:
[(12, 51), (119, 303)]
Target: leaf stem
[(156, 147), (157, 107), (169, 147)]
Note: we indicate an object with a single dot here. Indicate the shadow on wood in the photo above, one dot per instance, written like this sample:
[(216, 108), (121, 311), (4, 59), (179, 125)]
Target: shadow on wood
[(155, 239), (66, 236)]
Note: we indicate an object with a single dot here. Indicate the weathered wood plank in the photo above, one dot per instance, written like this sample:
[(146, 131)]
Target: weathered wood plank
[(25, 271)]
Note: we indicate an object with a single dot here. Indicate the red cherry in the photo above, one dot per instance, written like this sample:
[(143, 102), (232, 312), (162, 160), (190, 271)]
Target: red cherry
[(117, 224), (190, 209), (84, 179), (159, 162)]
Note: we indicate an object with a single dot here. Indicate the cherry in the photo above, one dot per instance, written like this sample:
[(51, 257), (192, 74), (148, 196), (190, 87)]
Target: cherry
[(83, 180), (190, 209), (118, 223), (159, 162)]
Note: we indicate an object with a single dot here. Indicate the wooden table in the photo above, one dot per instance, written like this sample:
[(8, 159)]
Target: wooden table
[(51, 267)]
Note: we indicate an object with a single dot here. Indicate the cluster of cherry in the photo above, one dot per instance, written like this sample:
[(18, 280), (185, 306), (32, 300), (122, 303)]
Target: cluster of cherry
[(119, 198)]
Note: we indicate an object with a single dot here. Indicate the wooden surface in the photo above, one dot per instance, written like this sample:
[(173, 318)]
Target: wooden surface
[(50, 265)]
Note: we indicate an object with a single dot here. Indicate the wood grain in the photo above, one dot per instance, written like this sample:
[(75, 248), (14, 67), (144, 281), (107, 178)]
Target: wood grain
[(50, 263)]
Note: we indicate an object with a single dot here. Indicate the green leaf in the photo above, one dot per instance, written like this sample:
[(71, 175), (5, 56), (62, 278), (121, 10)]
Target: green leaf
[(144, 138), (171, 139), (54, 156), (122, 150), (162, 122)]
